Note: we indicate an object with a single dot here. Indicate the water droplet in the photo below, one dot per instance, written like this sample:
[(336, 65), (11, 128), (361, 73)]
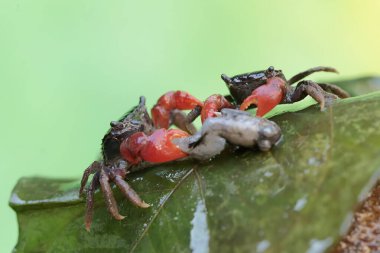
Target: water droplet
[(313, 161), (300, 204), (268, 174), (262, 246), (319, 246), (199, 234), (163, 199)]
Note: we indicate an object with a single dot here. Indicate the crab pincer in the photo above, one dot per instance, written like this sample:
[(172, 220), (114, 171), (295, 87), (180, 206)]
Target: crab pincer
[(214, 104), (169, 102), (155, 148), (266, 97)]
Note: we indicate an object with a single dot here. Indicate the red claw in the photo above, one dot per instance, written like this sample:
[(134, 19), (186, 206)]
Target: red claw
[(171, 100), (214, 103), (156, 148), (266, 97)]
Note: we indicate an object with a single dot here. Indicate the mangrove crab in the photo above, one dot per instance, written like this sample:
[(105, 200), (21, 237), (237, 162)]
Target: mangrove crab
[(134, 143), (268, 88), (265, 89)]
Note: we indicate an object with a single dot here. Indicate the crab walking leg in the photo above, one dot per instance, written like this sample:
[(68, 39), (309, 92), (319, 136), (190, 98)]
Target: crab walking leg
[(310, 71), (266, 97), (334, 89), (311, 88), (90, 202), (193, 114), (171, 100), (108, 196), (181, 121), (129, 193), (94, 167)]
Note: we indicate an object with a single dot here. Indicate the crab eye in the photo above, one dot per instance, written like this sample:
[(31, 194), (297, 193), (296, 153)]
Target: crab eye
[(271, 69), (113, 123), (116, 124)]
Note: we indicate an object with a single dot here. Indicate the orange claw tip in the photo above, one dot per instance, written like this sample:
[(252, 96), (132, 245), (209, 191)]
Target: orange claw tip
[(247, 102)]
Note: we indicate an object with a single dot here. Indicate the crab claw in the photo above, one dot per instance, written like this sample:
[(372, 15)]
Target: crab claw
[(266, 97), (181, 100), (155, 148), (214, 104)]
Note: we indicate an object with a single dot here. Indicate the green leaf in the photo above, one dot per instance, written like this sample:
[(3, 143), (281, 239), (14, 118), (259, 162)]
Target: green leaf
[(297, 197)]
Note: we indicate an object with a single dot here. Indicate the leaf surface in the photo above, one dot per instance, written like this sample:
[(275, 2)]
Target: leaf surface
[(296, 198)]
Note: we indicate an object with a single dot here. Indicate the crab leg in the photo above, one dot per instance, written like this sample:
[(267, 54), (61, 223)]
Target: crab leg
[(108, 196), (90, 170), (90, 202), (181, 121), (193, 114), (129, 193), (335, 90), (181, 100), (310, 71), (266, 97), (311, 88)]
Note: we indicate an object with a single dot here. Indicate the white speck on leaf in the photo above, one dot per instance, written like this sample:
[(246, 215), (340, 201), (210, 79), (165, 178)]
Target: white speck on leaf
[(300, 204), (262, 246), (200, 234), (319, 246)]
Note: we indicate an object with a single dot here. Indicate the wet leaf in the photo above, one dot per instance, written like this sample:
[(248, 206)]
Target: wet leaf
[(296, 198)]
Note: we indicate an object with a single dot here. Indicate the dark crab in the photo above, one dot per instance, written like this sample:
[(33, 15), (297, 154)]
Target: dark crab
[(133, 143), (265, 89), (269, 87), (112, 167)]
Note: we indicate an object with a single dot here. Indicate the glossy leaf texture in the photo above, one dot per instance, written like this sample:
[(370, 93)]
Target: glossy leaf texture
[(297, 198)]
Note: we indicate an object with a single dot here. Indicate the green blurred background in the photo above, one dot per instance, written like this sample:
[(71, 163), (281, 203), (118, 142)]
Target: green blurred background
[(67, 68)]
